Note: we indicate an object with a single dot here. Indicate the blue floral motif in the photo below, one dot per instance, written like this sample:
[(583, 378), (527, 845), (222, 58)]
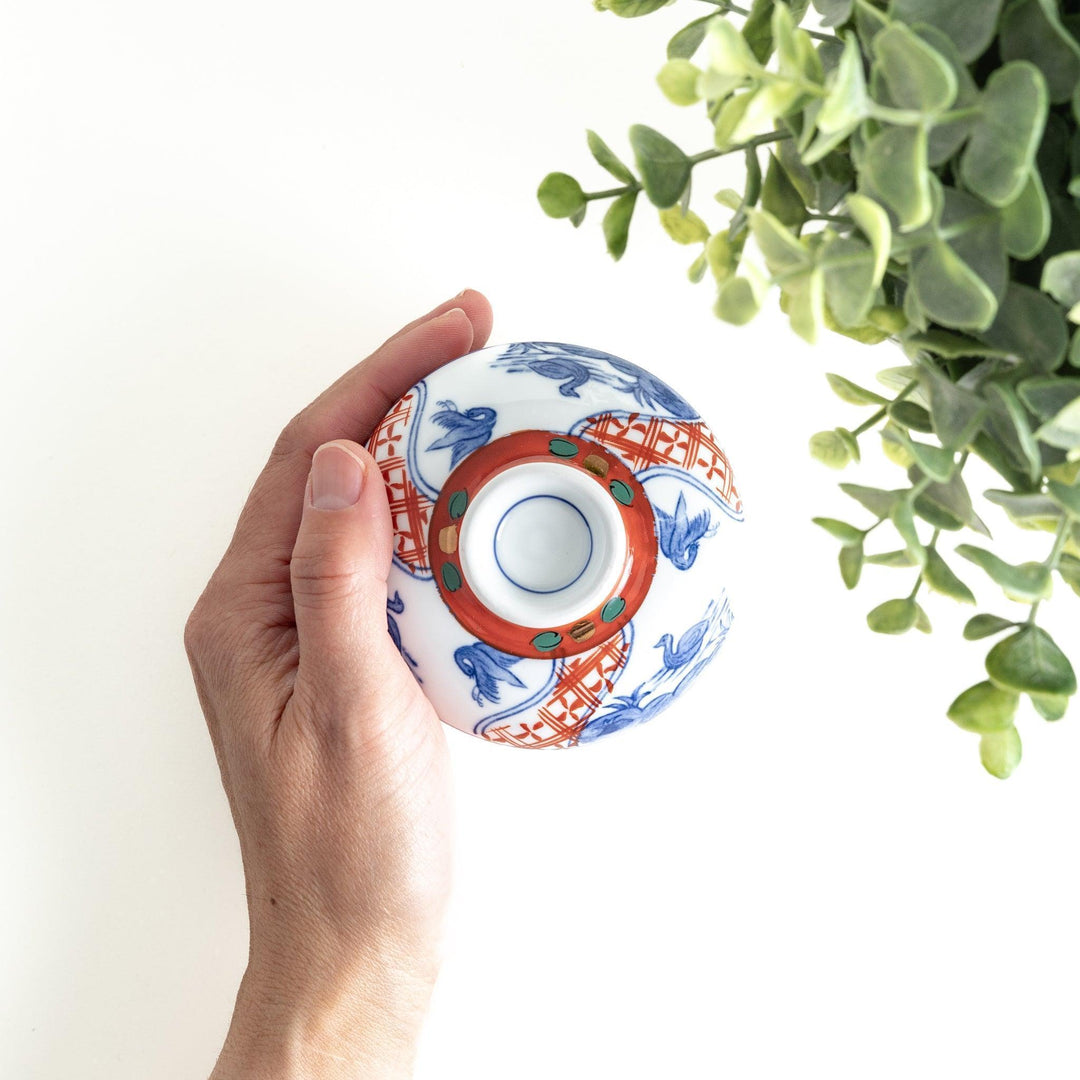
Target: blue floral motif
[(573, 366), (465, 431), (681, 534), (487, 667), (682, 662), (395, 606)]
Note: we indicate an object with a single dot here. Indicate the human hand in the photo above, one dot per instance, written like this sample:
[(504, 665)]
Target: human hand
[(334, 763)]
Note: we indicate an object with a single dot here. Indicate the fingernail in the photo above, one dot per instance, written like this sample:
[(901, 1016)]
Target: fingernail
[(460, 294), (337, 478)]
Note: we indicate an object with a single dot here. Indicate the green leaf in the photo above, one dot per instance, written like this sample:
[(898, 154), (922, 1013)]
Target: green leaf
[(737, 301), (902, 517), (1025, 222), (984, 707), (683, 228), (678, 81), (806, 304), (730, 56), (1067, 496), (946, 345), (1031, 30), (664, 168), (949, 291), (845, 533), (607, 160), (947, 506), (1000, 153), (851, 560), (1046, 395), (969, 24), (616, 223), (1027, 509), (631, 9), (917, 76), (1050, 706), (833, 12), (1062, 430), (1061, 279), (937, 574), (922, 620), (999, 752), (957, 412), (911, 416), (1026, 440), (899, 558), (893, 617), (844, 106), (982, 626), (757, 30), (1027, 582), (722, 256), (874, 223), (685, 42), (698, 268), (1030, 660), (830, 448), (878, 502), (848, 266), (1030, 327), (935, 461), (779, 246), (780, 197), (852, 394), (1069, 569), (895, 164), (560, 195)]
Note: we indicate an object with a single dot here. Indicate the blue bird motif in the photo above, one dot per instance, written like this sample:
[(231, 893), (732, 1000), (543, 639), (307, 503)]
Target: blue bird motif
[(677, 656), (681, 534), (570, 373), (651, 393), (465, 431), (623, 712), (395, 606), (487, 667)]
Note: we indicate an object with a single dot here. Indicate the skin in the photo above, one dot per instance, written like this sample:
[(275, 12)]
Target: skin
[(334, 763)]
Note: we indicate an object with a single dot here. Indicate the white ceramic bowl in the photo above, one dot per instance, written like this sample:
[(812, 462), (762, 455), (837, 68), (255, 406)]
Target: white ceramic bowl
[(559, 556)]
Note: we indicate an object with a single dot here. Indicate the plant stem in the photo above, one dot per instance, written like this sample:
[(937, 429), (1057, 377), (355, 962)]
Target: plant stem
[(750, 144), (1053, 558), (883, 411), (611, 192)]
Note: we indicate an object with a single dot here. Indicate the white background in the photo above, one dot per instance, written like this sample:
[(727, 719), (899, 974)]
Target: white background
[(208, 211)]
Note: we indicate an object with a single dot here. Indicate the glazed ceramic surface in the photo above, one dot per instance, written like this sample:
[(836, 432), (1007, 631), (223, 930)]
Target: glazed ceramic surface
[(559, 567)]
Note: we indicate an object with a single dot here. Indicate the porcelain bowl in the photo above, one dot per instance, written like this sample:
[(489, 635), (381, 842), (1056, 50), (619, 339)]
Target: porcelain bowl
[(559, 561)]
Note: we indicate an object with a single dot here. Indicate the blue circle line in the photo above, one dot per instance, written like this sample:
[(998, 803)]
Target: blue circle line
[(495, 544)]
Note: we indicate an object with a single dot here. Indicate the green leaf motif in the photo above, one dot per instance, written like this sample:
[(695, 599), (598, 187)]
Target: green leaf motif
[(560, 195), (983, 626), (984, 707), (918, 77), (606, 159), (1027, 582), (1031, 661), (664, 168), (616, 223), (999, 752), (1001, 150), (893, 617)]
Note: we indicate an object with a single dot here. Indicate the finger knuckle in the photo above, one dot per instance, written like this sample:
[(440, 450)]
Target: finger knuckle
[(318, 578)]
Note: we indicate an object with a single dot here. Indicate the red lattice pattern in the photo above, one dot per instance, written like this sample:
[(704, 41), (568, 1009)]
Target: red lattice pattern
[(410, 509), (582, 684), (643, 441)]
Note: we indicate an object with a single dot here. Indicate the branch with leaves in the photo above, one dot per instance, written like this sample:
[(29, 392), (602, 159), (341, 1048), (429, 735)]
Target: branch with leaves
[(912, 174)]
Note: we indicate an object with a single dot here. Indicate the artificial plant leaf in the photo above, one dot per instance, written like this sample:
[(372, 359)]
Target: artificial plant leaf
[(737, 301), (1027, 509), (685, 42), (869, 22), (664, 168), (616, 223), (1024, 437), (947, 506), (631, 9), (895, 164), (1031, 30), (1025, 222), (984, 707), (848, 266), (1029, 326), (957, 412), (938, 575), (969, 24), (1000, 152), (899, 558), (779, 246), (1063, 429), (780, 197), (847, 391), (1047, 395), (1067, 496), (1050, 706), (872, 219), (851, 561), (698, 268), (1031, 661), (893, 617), (1061, 279), (833, 12), (877, 501), (722, 256), (903, 519), (1027, 583), (678, 81), (982, 626), (607, 159), (830, 448), (844, 106), (560, 195), (805, 296), (947, 345), (683, 228), (757, 30), (917, 76), (845, 533), (1000, 752), (729, 54), (949, 290), (911, 416), (1069, 569)]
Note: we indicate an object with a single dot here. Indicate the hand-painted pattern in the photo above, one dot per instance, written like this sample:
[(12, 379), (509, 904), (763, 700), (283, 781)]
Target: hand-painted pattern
[(655, 445), (572, 367), (680, 666), (395, 606), (680, 534), (583, 684), (487, 667), (465, 431), (410, 509)]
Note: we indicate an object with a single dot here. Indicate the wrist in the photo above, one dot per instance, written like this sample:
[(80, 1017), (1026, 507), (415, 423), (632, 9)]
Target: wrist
[(289, 1027)]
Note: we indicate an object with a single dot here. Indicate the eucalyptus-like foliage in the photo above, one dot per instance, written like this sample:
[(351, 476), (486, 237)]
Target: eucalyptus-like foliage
[(913, 175)]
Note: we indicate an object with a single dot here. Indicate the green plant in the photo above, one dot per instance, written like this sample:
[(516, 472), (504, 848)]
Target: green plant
[(920, 184)]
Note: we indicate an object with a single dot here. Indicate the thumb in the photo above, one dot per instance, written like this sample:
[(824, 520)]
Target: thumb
[(338, 571)]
